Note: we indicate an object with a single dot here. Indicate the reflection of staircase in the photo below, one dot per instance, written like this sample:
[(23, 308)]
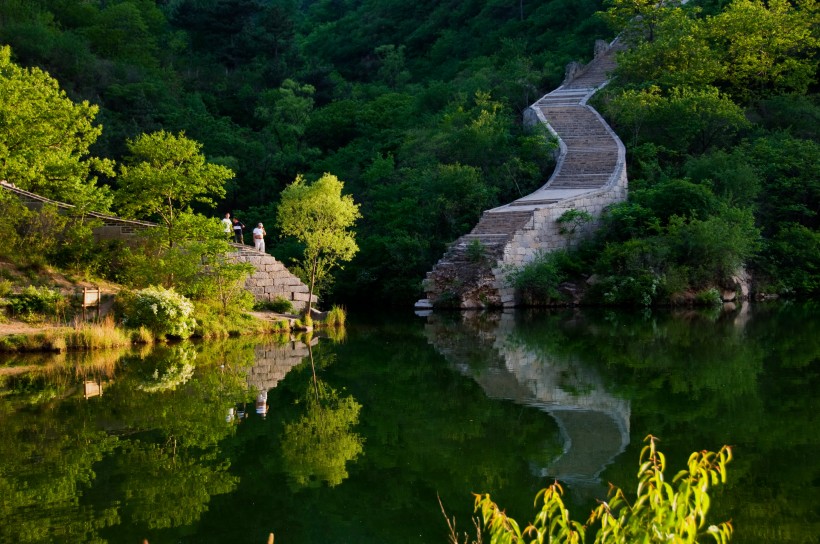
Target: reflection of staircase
[(594, 424), (590, 174), (273, 361)]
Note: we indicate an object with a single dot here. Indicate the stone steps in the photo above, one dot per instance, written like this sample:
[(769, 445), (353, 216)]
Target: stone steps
[(591, 156), (271, 279), (505, 223)]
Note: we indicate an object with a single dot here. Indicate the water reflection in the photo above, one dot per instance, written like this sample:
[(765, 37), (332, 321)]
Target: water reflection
[(409, 410), (273, 360), (593, 423)]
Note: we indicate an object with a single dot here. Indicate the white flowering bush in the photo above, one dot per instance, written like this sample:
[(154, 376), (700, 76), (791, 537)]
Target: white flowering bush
[(163, 311)]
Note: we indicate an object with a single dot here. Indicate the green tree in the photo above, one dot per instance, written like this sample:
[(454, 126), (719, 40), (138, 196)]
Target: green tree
[(767, 47), (45, 138), (638, 19), (683, 119), (285, 113), (199, 265), (165, 174), (320, 217)]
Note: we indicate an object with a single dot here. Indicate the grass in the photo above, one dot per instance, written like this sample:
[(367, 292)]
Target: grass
[(103, 335), (82, 336), (336, 317)]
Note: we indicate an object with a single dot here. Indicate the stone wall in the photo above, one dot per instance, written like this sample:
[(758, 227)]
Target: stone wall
[(543, 233), (111, 228), (271, 279)]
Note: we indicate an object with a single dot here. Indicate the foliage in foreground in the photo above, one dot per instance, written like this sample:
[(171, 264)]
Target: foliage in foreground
[(662, 511)]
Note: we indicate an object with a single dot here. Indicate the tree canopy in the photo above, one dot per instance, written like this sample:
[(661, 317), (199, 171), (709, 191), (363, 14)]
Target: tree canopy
[(320, 217), (418, 108), (165, 174), (45, 138)]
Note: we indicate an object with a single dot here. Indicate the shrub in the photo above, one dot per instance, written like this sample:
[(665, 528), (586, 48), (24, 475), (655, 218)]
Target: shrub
[(709, 297), (713, 248), (638, 290), (162, 311), (539, 279), (662, 511), (279, 305), (571, 220), (33, 303), (476, 251)]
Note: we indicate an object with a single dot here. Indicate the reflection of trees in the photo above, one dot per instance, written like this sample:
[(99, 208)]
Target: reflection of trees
[(163, 488), (167, 368), (151, 460), (699, 381), (46, 464), (317, 446), (428, 431), (167, 470)]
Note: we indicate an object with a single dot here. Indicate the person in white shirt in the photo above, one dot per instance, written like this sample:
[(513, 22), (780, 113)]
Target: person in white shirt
[(259, 238), (227, 225)]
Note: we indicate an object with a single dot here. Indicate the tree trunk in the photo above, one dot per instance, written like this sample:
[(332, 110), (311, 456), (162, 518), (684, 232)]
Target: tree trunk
[(312, 281)]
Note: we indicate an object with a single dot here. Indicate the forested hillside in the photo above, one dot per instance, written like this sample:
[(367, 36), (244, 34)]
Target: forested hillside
[(417, 106)]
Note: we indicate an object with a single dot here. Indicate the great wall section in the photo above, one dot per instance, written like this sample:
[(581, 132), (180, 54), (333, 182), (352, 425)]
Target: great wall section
[(269, 280), (590, 174)]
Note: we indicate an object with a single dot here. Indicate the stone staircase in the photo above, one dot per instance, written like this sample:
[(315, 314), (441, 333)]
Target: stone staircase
[(271, 280), (590, 174)]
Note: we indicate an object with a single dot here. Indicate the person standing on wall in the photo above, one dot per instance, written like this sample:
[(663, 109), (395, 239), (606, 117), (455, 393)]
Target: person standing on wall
[(226, 223), (237, 231), (259, 238)]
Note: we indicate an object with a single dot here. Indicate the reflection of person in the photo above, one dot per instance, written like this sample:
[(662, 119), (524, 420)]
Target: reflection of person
[(262, 404), (237, 231), (259, 238), (226, 224)]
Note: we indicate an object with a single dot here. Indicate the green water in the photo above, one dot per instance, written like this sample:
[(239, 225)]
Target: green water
[(176, 444)]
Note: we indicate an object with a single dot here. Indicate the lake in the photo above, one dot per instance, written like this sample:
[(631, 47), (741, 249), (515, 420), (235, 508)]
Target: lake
[(356, 439)]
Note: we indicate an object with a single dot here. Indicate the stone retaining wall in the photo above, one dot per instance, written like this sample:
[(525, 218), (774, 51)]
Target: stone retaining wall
[(272, 280)]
